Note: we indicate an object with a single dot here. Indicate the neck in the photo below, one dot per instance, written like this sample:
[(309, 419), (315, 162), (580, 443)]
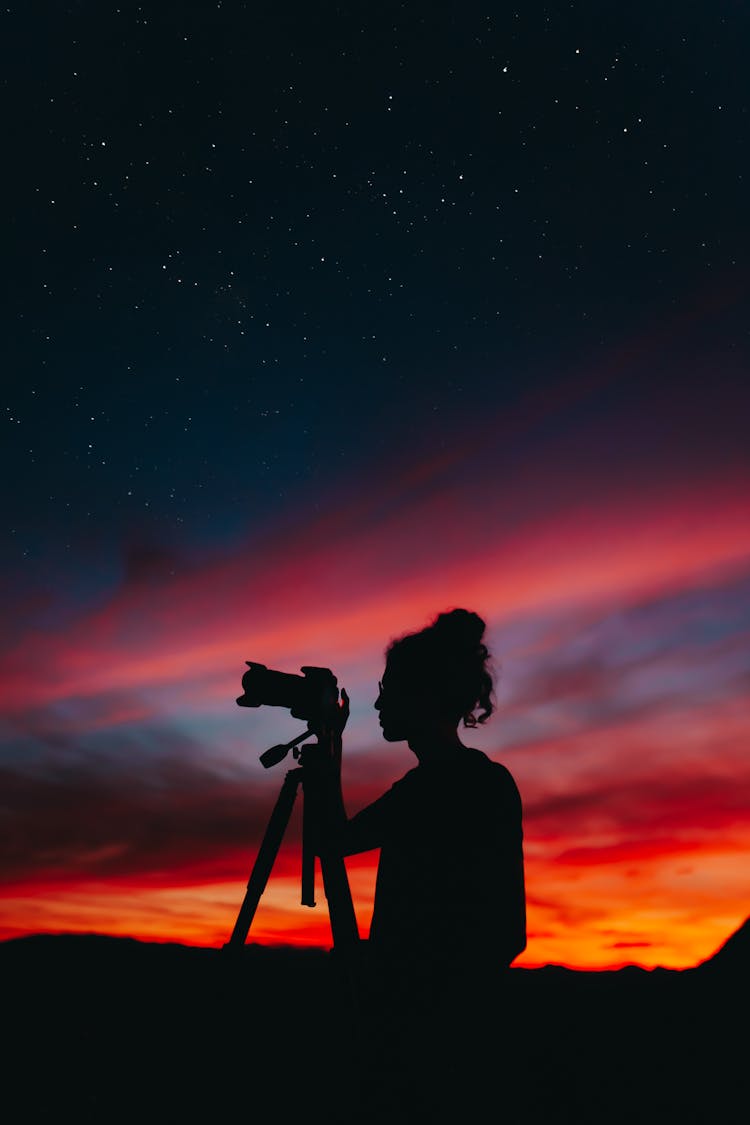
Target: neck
[(435, 742)]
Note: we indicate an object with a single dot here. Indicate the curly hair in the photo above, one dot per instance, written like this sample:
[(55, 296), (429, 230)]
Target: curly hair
[(449, 660)]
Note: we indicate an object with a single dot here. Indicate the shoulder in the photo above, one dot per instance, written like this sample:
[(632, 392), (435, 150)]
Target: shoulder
[(410, 781), (497, 777), (478, 760)]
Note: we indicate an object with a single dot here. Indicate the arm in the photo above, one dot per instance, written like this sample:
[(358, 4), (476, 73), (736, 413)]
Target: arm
[(337, 831)]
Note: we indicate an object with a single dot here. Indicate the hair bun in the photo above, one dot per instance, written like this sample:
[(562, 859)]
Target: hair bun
[(447, 662), (462, 625)]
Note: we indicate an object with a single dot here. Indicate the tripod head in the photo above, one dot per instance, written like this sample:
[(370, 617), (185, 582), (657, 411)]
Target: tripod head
[(276, 754)]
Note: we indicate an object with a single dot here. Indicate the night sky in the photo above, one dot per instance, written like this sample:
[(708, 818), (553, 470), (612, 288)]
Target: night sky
[(320, 320)]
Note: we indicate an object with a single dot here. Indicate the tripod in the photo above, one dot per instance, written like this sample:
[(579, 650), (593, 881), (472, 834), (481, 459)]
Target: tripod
[(314, 762)]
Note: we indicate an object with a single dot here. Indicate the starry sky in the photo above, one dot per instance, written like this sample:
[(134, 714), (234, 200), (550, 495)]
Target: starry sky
[(319, 320)]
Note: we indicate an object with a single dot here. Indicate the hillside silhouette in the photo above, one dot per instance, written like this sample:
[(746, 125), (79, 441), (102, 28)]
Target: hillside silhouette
[(111, 1029)]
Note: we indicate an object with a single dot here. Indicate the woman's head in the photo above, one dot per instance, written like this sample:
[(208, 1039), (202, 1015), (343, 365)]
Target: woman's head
[(439, 673)]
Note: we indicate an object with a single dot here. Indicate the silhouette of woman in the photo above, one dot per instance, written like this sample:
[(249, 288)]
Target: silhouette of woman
[(449, 895), (450, 911)]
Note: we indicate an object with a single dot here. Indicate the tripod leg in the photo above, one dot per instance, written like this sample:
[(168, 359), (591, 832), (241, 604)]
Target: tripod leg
[(308, 857), (340, 905), (346, 941), (265, 859)]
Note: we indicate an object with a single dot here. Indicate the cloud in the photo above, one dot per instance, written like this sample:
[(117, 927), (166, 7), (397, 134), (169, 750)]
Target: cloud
[(319, 595), (148, 808)]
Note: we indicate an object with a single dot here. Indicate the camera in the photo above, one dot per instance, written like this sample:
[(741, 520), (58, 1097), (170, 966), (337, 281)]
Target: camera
[(311, 697)]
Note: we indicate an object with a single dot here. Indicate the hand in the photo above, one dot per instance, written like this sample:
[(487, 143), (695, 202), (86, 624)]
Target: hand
[(337, 724), (342, 714)]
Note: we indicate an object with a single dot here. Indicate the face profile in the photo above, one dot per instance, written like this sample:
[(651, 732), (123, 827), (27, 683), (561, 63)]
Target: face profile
[(392, 705)]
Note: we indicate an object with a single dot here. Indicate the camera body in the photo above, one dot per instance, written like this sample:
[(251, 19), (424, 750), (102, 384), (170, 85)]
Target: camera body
[(312, 697)]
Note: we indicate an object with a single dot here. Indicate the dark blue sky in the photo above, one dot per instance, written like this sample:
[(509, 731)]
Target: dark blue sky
[(252, 248)]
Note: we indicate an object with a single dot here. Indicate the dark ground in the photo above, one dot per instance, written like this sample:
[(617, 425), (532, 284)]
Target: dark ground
[(108, 1030)]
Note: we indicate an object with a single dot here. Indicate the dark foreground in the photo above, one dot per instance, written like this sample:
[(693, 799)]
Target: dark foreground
[(108, 1030)]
